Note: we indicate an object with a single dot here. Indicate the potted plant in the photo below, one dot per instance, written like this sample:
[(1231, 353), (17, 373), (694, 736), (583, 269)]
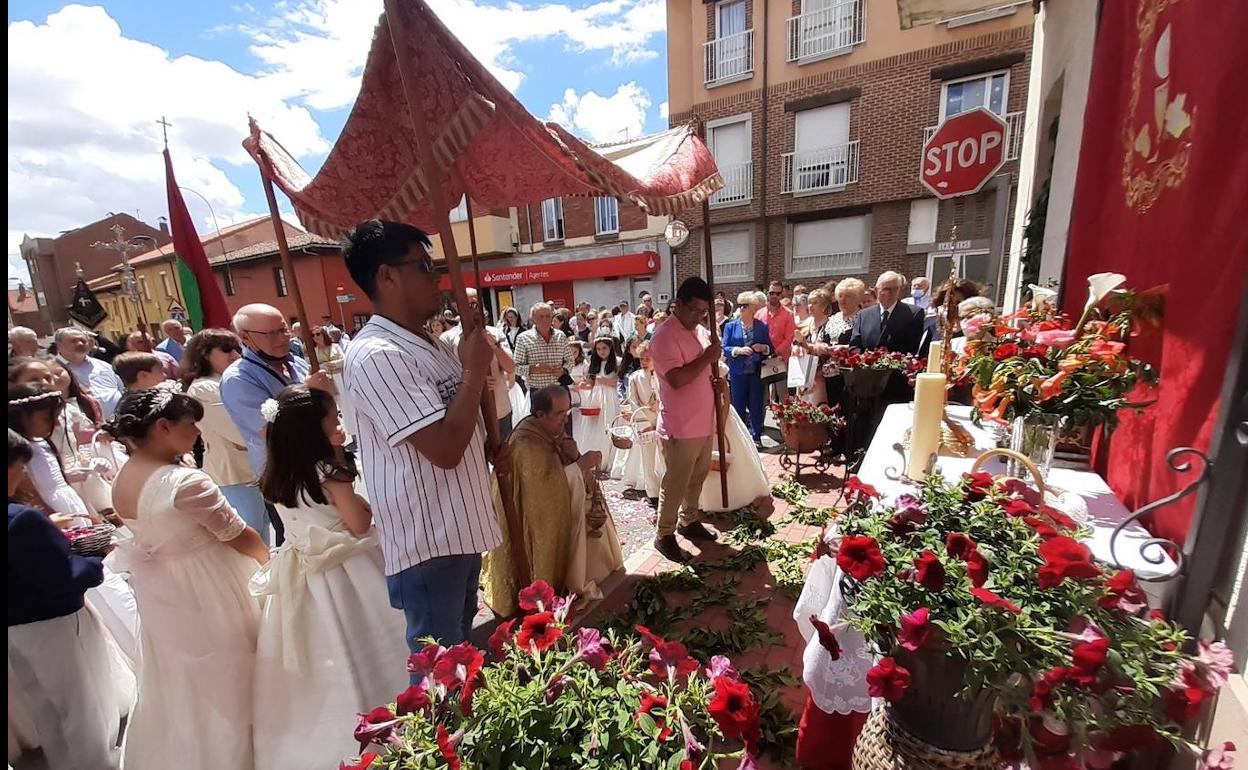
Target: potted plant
[(992, 622), (1044, 374), (553, 696), (804, 426)]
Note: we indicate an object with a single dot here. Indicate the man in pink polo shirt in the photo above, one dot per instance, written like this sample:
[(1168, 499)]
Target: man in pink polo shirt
[(683, 355), (781, 326)]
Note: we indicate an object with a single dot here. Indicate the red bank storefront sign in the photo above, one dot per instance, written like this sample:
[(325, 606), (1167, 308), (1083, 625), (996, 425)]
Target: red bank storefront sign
[(644, 263)]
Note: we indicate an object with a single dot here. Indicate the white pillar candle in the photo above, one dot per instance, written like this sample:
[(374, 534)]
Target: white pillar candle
[(935, 358), (929, 411)]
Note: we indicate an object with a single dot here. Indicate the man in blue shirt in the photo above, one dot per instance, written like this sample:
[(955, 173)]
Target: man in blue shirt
[(175, 339), (73, 346), (267, 366)]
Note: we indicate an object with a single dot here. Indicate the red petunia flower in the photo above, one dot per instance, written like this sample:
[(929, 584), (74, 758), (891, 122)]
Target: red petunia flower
[(735, 711), (827, 639), (928, 571), (1123, 593), (377, 726), (420, 664), (592, 648), (888, 680), (538, 597), (1043, 528), (1005, 350), (860, 556), (856, 489), (958, 545), (501, 636), (1088, 658), (993, 600), (1058, 518), (538, 632), (460, 665), (446, 745), (978, 485), (977, 568), (649, 635), (671, 660), (1186, 699), (1018, 507), (649, 704), (1064, 557), (411, 700), (915, 629), (1042, 692), (366, 761)]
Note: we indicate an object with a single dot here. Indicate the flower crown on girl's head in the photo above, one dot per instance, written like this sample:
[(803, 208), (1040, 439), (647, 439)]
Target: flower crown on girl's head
[(268, 410)]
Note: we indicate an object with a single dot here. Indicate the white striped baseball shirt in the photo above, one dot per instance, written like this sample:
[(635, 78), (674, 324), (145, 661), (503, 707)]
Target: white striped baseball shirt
[(399, 384)]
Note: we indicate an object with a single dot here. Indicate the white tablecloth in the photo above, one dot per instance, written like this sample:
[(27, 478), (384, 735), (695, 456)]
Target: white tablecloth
[(841, 686)]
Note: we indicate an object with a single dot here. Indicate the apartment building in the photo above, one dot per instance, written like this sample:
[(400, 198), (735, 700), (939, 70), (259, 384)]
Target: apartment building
[(817, 111)]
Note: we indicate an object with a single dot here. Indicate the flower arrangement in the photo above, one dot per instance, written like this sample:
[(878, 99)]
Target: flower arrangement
[(848, 358), (794, 411), (551, 696), (985, 574), (1039, 362)]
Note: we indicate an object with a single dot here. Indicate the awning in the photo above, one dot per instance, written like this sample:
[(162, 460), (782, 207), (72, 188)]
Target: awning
[(642, 263), (487, 145)]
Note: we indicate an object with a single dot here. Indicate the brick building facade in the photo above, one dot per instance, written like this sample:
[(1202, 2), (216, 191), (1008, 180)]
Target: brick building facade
[(820, 143)]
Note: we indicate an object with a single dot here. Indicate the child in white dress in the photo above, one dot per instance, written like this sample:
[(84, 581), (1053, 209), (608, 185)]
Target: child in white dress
[(604, 395), (641, 466), (190, 560), (330, 644)]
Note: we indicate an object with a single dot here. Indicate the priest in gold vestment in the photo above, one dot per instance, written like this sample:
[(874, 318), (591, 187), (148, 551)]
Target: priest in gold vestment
[(569, 537)]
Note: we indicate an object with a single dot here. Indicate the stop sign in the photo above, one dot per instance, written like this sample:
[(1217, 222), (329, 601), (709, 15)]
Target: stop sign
[(963, 154)]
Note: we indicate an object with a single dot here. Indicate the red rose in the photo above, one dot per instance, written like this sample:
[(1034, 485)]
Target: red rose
[(733, 708), (649, 704), (1006, 350), (1064, 557), (411, 700), (915, 629), (993, 600), (958, 545), (976, 568), (827, 639), (928, 571), (1088, 658), (538, 632), (501, 636), (539, 597), (978, 485), (377, 726), (1042, 692), (1123, 593), (447, 747), (860, 556), (888, 680)]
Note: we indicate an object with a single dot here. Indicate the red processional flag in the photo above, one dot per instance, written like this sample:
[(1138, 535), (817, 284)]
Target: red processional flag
[(205, 302)]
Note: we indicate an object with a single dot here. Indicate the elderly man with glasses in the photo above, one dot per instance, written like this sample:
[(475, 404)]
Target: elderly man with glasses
[(267, 366)]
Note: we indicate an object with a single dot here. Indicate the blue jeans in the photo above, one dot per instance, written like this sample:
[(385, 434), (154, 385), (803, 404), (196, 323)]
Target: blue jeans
[(439, 598), (747, 399), (246, 499)]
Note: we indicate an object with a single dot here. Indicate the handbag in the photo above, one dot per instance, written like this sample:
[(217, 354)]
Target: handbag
[(774, 369), (802, 370)]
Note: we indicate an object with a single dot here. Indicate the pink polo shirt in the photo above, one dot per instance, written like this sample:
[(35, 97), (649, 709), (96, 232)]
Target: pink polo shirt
[(780, 327), (687, 412)]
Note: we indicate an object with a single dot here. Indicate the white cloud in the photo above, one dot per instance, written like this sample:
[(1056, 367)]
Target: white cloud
[(603, 118), (83, 139), (663, 112), (317, 48)]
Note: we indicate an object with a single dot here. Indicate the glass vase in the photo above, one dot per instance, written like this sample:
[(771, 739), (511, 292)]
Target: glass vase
[(1035, 437)]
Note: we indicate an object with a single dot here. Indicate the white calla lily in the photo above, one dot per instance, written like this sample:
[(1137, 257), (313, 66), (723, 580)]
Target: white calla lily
[(1101, 284), (1042, 297)]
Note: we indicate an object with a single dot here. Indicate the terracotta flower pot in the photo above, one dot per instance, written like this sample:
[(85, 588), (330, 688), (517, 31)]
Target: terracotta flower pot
[(804, 436), (932, 708)]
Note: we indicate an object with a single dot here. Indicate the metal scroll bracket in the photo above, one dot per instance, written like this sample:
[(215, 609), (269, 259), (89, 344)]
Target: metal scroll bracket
[(893, 474), (1154, 550)]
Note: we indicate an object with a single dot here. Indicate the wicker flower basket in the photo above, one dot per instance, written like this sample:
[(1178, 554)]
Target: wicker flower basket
[(804, 436)]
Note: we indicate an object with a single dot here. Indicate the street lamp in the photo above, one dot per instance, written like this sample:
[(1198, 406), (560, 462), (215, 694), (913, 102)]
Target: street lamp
[(220, 241)]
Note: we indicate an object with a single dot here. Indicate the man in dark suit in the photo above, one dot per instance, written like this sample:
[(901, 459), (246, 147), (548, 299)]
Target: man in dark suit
[(891, 324)]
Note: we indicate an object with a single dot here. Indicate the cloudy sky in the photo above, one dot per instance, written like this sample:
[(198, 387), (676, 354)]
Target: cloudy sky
[(87, 84)]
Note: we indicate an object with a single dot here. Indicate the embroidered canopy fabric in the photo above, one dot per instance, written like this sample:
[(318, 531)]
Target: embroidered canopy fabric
[(485, 143)]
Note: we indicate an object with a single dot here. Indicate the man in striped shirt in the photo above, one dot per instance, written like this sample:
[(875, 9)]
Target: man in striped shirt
[(422, 443), (542, 355)]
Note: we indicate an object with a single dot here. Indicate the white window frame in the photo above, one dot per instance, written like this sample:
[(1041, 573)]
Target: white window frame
[(926, 202), (1005, 94), (460, 212), (145, 288), (552, 208), (279, 278), (748, 119), (606, 216), (748, 275), (723, 5), (789, 242), (166, 284), (959, 264)]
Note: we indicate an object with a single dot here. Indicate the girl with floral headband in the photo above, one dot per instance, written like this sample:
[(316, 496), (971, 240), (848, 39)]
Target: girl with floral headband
[(190, 560), (315, 670)]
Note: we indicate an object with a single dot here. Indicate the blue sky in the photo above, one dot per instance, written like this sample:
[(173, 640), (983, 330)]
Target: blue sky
[(88, 82)]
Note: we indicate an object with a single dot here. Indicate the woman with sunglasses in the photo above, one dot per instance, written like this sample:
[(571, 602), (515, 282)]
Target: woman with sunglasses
[(206, 357)]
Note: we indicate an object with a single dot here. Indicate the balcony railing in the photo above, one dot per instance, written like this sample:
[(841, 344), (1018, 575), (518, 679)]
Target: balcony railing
[(821, 170), (729, 59), (827, 32), (1013, 135), (738, 185), (827, 264)]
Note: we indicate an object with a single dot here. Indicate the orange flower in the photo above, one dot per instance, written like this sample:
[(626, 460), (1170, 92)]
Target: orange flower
[(985, 399), (1052, 386), (1071, 364), (1105, 350), (998, 415)]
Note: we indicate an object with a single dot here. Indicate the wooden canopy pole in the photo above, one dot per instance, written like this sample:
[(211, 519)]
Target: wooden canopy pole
[(433, 174), (288, 267), (721, 408)]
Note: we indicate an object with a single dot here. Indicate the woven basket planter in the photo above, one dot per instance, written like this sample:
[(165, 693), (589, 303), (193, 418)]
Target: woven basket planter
[(804, 436)]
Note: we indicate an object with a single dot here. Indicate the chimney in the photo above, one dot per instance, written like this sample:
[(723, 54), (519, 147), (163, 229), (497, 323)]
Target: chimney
[(164, 227)]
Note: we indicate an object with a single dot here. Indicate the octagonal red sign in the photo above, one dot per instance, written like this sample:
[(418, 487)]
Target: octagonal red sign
[(963, 154)]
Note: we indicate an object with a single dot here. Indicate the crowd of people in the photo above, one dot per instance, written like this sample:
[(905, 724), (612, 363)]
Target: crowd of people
[(271, 571)]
